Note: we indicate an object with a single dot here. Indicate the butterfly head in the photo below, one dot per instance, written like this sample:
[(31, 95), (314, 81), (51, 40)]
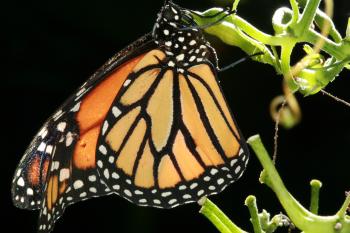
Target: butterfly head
[(178, 34)]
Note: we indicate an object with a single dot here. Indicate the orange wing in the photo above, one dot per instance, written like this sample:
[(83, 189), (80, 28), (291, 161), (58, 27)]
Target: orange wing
[(169, 137), (59, 167), (73, 175)]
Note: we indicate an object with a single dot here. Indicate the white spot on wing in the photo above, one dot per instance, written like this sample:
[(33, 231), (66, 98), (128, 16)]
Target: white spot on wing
[(115, 176), (69, 139), (30, 191), (238, 169), (172, 201), (93, 190), (49, 149), (180, 57), (64, 174), (194, 185), (116, 111), (81, 91), (84, 194), (61, 126), (42, 147), (200, 192), (207, 178), (76, 107), (127, 82), (156, 201), (220, 181), (102, 149), (78, 184), (193, 42), (20, 182), (171, 64), (213, 171), (105, 127), (166, 194), (92, 178), (58, 115), (127, 192), (138, 192), (233, 162), (19, 172), (106, 173)]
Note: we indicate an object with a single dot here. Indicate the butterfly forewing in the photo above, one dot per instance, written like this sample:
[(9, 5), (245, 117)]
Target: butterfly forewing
[(171, 140)]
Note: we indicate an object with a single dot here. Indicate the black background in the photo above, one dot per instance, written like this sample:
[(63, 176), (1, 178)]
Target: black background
[(51, 47)]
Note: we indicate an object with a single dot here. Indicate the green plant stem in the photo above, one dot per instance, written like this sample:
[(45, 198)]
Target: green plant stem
[(301, 217), (235, 22), (276, 184), (218, 218), (339, 50), (315, 194), (255, 33), (295, 9), (253, 209), (342, 212), (306, 18), (286, 53), (320, 19)]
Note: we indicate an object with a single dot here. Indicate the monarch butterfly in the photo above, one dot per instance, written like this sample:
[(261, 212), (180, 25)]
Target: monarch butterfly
[(151, 125)]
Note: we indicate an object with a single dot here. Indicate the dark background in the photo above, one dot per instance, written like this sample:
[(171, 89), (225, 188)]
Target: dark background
[(51, 47)]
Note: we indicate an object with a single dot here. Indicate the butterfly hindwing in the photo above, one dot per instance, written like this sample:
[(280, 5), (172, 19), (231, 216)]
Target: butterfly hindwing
[(67, 181), (59, 167), (30, 176)]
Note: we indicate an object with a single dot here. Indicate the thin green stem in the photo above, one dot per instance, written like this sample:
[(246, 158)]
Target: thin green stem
[(301, 217), (315, 195), (255, 33), (306, 18), (218, 218), (296, 12), (342, 212), (286, 53), (253, 210), (321, 18), (338, 50), (276, 183)]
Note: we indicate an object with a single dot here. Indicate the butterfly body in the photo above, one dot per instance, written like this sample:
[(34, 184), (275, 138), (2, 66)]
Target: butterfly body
[(151, 125)]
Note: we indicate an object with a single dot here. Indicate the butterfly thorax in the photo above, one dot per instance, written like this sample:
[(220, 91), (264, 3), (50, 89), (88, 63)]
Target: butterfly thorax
[(179, 37)]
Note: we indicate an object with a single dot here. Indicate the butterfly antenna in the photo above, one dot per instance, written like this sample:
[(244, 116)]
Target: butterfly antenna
[(239, 61), (213, 15), (228, 11)]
